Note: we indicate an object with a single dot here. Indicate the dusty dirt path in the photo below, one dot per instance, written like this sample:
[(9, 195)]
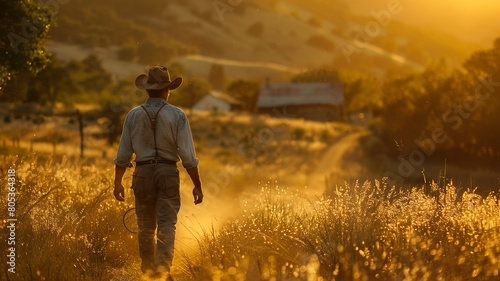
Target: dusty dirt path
[(338, 164)]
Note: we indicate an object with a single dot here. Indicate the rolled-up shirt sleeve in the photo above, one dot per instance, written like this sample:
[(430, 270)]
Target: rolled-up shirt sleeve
[(185, 144), (125, 150)]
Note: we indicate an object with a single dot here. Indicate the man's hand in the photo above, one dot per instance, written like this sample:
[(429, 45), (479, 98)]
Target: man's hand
[(198, 195), (119, 192), (195, 177)]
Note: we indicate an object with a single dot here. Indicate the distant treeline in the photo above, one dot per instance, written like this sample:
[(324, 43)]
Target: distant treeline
[(445, 112)]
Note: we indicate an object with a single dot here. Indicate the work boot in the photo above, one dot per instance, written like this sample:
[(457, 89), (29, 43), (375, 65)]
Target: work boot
[(161, 276), (161, 273), (147, 267)]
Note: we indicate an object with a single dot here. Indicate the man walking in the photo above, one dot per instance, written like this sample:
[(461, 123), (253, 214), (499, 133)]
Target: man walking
[(159, 134)]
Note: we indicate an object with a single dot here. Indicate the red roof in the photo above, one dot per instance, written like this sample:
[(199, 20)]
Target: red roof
[(283, 94)]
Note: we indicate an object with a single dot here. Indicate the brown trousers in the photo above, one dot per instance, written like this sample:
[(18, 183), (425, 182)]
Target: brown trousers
[(157, 203)]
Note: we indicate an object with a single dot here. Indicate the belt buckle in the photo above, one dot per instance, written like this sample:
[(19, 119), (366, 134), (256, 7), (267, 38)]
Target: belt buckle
[(153, 162)]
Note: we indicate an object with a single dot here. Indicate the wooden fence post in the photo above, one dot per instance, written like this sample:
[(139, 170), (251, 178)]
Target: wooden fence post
[(80, 123)]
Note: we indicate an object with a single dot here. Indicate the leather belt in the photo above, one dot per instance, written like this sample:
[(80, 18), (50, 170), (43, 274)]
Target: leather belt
[(154, 162)]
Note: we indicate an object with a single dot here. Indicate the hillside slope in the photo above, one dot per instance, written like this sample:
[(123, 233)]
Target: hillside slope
[(471, 21), (288, 33)]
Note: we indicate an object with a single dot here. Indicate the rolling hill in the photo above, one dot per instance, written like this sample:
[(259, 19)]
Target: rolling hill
[(287, 34)]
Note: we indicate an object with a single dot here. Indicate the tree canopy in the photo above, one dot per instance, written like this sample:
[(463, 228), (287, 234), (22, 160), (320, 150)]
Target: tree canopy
[(460, 105), (24, 27)]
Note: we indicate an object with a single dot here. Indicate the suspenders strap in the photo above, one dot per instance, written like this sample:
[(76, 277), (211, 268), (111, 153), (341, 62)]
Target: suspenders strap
[(153, 125)]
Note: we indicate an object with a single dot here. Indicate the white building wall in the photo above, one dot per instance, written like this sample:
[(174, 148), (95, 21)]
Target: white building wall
[(209, 102)]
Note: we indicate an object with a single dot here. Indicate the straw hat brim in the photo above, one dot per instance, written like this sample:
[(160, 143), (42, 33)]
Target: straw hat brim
[(141, 82)]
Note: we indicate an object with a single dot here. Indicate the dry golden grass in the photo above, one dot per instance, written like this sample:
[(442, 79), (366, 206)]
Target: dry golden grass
[(251, 227), (360, 232), (68, 226), (70, 229)]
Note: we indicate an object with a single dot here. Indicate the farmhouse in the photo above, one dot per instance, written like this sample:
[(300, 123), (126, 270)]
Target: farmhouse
[(219, 101), (311, 101)]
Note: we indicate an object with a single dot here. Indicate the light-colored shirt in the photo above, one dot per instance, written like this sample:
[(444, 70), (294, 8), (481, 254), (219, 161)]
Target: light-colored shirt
[(173, 135)]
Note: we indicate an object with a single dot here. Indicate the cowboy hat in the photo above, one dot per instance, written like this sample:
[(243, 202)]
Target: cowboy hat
[(157, 78)]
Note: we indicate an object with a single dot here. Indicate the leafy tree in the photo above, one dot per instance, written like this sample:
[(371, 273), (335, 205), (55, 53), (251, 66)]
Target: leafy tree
[(17, 88), (462, 105), (51, 84), (96, 78), (113, 110), (24, 27), (317, 75), (189, 93), (246, 91), (362, 93), (485, 63), (483, 68), (74, 66), (217, 77), (411, 103)]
